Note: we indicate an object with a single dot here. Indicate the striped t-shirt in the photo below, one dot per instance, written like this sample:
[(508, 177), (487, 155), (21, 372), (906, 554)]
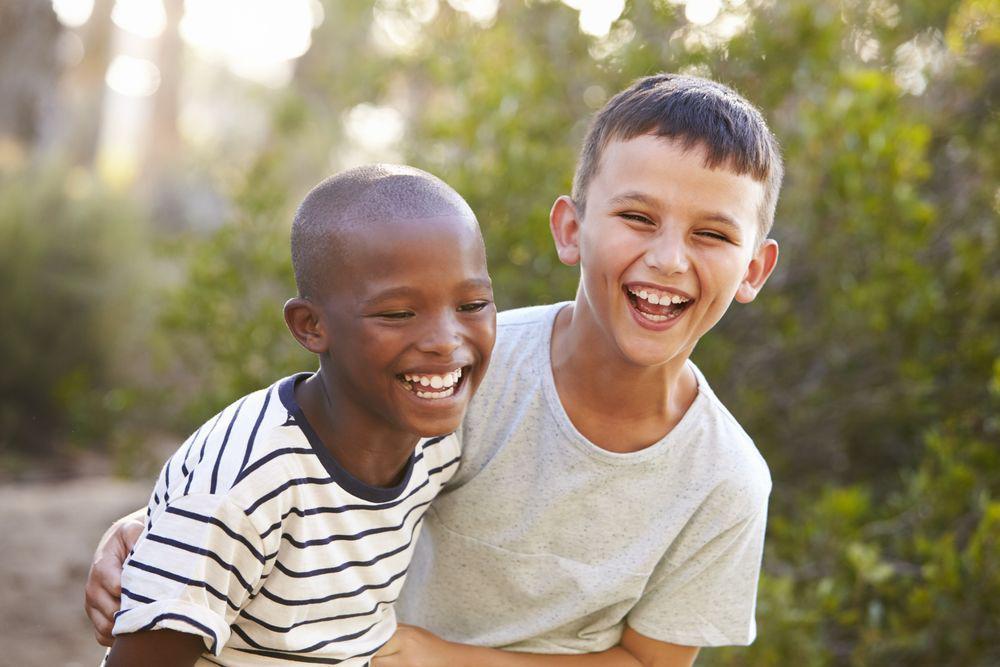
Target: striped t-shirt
[(260, 542)]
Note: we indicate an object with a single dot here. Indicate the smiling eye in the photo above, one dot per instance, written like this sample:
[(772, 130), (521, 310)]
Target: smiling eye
[(636, 217), (395, 315), (473, 307), (714, 235)]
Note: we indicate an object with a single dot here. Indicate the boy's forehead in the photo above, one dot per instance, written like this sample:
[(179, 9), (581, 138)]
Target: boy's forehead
[(388, 238), (661, 170)]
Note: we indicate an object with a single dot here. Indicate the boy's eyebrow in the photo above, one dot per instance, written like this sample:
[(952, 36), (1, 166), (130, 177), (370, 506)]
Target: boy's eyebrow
[(722, 218), (634, 197), (406, 290)]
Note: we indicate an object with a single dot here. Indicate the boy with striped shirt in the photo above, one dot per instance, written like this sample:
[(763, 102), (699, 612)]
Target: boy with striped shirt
[(281, 531)]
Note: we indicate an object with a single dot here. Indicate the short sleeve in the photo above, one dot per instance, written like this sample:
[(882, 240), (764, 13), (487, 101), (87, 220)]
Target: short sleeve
[(198, 563), (709, 597)]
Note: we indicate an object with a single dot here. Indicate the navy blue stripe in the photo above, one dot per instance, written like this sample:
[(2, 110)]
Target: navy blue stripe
[(308, 649), (433, 441), (343, 566), (186, 619), (166, 480), (201, 454), (226, 529), (352, 537), (350, 563), (345, 508), (334, 596), (308, 480), (196, 583), (287, 485), (342, 508), (189, 445), (229, 567), (222, 447), (282, 629), (310, 659), (135, 596), (253, 435), (270, 457), (436, 470)]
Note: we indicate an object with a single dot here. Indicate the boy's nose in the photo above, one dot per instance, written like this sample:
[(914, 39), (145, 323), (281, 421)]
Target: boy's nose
[(441, 336), (667, 254)]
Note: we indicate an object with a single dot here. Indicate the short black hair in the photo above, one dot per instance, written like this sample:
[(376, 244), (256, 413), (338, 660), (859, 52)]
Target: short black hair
[(696, 112), (361, 197)]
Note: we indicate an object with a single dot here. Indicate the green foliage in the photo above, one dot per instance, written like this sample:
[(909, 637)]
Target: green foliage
[(69, 265), (223, 329), (914, 580)]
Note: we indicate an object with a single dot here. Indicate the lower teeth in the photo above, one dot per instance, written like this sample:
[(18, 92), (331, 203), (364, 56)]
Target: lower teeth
[(436, 394)]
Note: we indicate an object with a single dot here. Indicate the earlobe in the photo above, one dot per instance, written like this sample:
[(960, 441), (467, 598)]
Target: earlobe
[(565, 226), (302, 319), (759, 270)]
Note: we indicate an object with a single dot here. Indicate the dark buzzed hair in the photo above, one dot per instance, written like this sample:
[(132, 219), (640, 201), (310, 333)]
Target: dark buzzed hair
[(696, 112), (363, 196)]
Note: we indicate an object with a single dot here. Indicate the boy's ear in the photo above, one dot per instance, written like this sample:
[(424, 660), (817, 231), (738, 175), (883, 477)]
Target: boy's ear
[(303, 320), (565, 225), (761, 266)]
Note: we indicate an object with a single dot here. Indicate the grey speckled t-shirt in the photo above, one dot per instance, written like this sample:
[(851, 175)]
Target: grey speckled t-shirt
[(544, 542)]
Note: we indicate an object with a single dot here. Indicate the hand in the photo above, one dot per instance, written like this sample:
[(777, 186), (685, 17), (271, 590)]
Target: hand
[(104, 583), (411, 646)]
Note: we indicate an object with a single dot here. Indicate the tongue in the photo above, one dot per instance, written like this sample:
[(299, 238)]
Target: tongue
[(646, 307)]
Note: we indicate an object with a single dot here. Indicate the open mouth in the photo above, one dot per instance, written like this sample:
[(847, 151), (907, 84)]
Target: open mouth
[(656, 306), (434, 387)]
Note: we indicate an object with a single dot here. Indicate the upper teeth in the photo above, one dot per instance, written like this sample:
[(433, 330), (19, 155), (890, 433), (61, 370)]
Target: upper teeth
[(436, 381), (658, 298)]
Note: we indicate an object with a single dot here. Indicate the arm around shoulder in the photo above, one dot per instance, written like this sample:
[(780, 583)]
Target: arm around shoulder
[(412, 646)]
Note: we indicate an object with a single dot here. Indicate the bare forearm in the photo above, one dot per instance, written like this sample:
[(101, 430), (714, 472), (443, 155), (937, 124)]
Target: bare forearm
[(415, 647), (157, 648), (489, 657)]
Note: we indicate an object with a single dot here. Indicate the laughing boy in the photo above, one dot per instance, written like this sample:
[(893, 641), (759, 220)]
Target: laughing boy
[(609, 510)]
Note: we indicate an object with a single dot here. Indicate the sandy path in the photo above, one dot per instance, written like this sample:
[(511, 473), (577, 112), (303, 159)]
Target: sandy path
[(49, 531)]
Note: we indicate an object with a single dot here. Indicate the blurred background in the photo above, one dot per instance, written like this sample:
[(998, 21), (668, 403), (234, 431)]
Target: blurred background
[(152, 153)]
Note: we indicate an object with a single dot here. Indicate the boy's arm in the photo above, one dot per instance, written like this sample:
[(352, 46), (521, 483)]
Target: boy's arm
[(412, 646), (156, 648), (104, 583)]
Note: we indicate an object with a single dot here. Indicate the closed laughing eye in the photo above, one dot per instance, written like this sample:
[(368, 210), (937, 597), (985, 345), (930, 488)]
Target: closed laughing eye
[(395, 315), (714, 235), (473, 307), (636, 217)]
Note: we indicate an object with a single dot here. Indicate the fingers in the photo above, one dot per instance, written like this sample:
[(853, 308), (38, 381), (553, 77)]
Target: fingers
[(125, 536), (100, 607), (391, 647), (102, 594)]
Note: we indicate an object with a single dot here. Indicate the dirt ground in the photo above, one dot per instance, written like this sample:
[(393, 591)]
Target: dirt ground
[(49, 530)]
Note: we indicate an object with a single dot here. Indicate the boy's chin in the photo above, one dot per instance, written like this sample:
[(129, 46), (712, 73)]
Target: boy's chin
[(648, 354), (433, 428)]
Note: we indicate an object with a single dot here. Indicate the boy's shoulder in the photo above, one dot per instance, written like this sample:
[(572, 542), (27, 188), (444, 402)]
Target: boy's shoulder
[(528, 316), (737, 464), (259, 430), (523, 331)]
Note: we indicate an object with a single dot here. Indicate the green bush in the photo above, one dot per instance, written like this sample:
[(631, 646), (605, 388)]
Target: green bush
[(222, 332), (70, 268)]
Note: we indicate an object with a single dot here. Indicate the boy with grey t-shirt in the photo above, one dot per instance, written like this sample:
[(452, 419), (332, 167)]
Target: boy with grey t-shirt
[(607, 503)]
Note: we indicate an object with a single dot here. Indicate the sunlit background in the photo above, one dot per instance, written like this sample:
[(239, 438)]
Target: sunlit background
[(152, 153)]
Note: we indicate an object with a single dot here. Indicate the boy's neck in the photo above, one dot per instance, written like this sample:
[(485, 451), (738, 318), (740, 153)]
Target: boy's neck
[(370, 451), (617, 405)]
